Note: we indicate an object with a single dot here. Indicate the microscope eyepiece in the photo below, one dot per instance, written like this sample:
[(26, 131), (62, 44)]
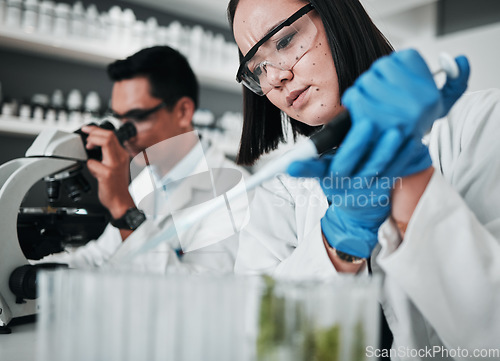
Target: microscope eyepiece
[(124, 133), (74, 182)]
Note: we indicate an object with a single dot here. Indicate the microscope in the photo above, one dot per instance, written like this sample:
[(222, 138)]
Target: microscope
[(58, 158)]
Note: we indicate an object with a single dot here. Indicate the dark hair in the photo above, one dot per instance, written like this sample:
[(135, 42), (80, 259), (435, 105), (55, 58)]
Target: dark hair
[(355, 43), (167, 70)]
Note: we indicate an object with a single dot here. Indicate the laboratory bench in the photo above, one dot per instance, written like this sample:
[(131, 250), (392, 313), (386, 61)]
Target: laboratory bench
[(20, 345)]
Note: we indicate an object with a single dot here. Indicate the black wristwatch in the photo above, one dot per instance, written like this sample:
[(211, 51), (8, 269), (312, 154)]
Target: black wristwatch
[(131, 220), (348, 258)]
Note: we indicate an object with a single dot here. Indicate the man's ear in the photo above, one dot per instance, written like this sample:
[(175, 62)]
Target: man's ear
[(184, 111)]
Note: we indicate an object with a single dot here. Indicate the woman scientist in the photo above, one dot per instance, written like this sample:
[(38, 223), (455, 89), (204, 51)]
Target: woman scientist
[(439, 250)]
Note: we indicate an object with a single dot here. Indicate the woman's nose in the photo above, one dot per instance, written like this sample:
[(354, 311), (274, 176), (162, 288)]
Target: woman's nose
[(276, 76)]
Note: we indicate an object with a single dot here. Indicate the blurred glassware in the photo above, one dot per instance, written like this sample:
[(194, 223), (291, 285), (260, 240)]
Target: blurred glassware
[(103, 315)]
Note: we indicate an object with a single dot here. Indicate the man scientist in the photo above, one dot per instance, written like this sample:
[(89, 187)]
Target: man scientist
[(157, 91)]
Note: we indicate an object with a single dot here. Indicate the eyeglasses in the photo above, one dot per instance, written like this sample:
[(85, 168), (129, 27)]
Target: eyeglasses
[(280, 49), (138, 115)]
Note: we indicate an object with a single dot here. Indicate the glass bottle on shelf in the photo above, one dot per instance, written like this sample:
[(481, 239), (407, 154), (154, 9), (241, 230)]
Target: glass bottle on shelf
[(184, 41), (57, 103), (25, 111), (115, 26), (46, 17), (195, 47), (74, 105), (13, 13), (206, 49), (7, 110), (162, 36), (175, 29), (138, 35), (104, 26), (128, 20), (92, 22), (2, 11), (39, 103), (51, 117), (151, 29), (217, 50), (77, 19), (92, 107), (30, 15), (61, 21)]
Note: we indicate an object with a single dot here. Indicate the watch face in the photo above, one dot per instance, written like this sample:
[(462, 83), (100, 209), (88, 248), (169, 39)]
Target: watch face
[(134, 218)]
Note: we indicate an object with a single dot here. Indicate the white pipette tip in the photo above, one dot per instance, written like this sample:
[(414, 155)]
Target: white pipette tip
[(449, 65)]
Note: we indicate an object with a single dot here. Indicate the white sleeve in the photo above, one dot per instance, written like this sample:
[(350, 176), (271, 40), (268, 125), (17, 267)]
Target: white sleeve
[(216, 253), (93, 254), (284, 236), (98, 252), (449, 261)]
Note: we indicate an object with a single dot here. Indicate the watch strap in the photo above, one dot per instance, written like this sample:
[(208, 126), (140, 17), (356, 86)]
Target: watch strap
[(347, 257), (131, 220)]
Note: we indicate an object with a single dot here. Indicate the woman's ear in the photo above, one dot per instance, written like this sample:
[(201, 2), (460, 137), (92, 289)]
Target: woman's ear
[(184, 111)]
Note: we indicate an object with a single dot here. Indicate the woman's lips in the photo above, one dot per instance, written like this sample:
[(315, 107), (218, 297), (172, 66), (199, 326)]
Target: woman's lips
[(297, 98)]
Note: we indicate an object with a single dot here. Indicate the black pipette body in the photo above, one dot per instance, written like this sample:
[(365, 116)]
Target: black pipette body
[(333, 133)]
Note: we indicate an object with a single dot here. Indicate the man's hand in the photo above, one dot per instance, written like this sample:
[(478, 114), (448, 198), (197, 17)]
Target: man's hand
[(112, 173)]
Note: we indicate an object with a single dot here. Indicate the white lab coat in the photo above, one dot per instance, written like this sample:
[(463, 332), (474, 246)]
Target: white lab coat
[(442, 283), (218, 257)]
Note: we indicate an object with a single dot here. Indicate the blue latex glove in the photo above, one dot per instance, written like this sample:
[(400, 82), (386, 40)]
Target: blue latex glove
[(397, 93), (359, 205), (454, 88)]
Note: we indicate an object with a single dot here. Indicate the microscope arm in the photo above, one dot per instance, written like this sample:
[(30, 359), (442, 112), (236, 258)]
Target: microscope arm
[(52, 152)]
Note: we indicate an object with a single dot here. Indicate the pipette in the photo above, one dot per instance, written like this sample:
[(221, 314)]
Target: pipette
[(448, 66), (328, 138)]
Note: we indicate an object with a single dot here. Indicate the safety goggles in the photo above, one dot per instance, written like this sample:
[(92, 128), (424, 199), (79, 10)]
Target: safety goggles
[(138, 115), (279, 50)]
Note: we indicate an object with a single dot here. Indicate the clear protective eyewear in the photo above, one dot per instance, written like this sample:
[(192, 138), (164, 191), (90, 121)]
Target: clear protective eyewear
[(278, 51)]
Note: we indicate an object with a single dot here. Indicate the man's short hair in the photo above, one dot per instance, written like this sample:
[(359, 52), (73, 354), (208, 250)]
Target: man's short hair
[(167, 70)]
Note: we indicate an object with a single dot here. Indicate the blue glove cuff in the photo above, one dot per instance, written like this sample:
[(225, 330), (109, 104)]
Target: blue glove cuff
[(347, 236), (419, 160)]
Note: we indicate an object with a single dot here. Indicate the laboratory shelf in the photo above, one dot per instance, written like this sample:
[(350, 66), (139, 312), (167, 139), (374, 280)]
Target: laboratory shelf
[(29, 127), (95, 52)]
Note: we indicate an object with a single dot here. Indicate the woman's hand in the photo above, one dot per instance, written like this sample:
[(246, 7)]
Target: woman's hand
[(396, 99), (360, 204)]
